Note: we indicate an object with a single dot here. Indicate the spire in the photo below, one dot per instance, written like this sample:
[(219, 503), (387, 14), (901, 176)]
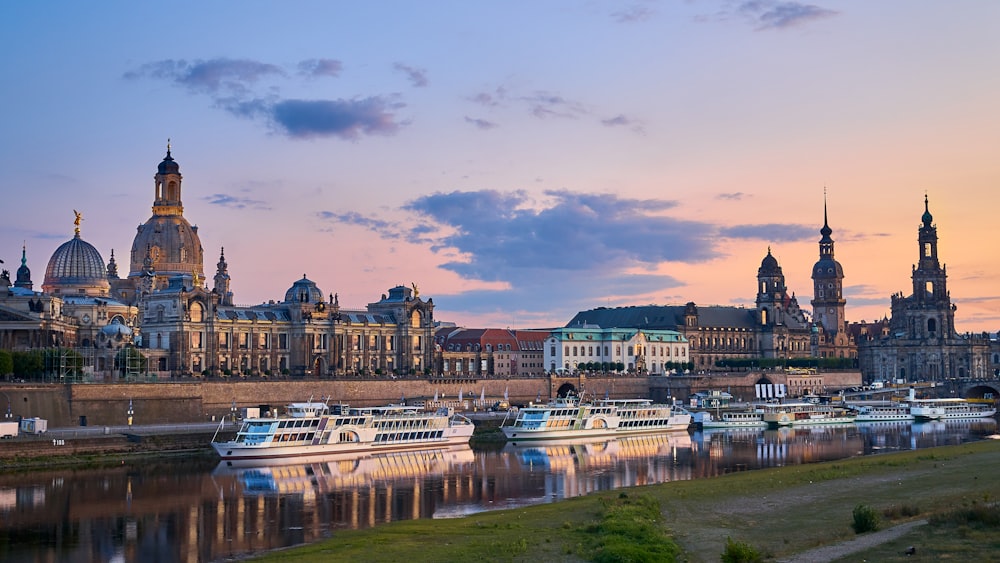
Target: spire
[(927, 217), (222, 279), (112, 267), (23, 273), (826, 231)]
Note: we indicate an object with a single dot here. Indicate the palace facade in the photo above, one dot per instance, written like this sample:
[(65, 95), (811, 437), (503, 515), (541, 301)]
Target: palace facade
[(163, 319)]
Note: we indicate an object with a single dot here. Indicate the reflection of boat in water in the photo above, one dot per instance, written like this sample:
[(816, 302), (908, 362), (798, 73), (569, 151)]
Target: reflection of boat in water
[(316, 428), (570, 418), (341, 471), (560, 454), (802, 414), (944, 409)]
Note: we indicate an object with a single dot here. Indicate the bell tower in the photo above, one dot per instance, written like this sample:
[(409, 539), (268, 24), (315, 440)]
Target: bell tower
[(167, 199), (828, 284)]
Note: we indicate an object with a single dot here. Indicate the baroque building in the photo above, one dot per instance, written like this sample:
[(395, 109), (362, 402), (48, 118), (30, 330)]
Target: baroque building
[(775, 328), (164, 312), (919, 342), (832, 337)]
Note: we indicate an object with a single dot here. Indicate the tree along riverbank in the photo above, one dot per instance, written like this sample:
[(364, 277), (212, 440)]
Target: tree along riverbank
[(782, 514)]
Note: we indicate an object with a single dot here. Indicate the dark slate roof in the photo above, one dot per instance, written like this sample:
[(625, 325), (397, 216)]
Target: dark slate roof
[(663, 317)]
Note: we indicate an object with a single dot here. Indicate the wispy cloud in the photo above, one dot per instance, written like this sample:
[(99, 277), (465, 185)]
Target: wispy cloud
[(733, 196), (546, 104), (320, 67), (776, 232), (210, 76), (416, 76), (481, 123), (633, 13), (236, 202), (348, 119), (230, 84), (623, 121), (773, 14), (535, 249)]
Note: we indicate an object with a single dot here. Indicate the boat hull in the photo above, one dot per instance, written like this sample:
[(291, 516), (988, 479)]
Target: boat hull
[(232, 451)]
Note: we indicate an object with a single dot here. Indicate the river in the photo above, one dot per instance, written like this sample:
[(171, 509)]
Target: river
[(189, 510)]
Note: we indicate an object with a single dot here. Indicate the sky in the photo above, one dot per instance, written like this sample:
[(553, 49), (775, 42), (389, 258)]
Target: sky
[(519, 161)]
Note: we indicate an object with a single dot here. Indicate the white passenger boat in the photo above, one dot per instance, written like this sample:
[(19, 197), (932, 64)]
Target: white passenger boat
[(801, 414), (733, 419), (568, 417), (946, 409), (310, 429), (895, 412)]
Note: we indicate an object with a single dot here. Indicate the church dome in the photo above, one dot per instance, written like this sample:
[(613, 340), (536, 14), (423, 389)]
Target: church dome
[(769, 265), (173, 245), (169, 165), (304, 291), (78, 267)]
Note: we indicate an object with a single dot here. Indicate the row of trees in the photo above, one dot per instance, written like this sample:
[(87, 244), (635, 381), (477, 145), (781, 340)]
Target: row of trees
[(605, 367), (771, 363)]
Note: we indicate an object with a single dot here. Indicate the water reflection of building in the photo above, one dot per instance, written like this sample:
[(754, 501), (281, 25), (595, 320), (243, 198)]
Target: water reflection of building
[(722, 451)]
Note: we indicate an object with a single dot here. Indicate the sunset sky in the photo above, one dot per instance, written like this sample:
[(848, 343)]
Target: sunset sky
[(518, 160)]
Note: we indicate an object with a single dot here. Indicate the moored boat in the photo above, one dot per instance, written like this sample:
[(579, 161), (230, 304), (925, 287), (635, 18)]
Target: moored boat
[(883, 412), (309, 429), (801, 414), (568, 418), (947, 409), (733, 419)]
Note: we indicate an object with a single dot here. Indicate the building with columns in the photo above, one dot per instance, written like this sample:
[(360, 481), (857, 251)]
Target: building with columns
[(165, 312)]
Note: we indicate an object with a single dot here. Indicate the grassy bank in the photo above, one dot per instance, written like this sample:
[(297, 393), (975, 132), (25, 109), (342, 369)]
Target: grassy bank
[(776, 512)]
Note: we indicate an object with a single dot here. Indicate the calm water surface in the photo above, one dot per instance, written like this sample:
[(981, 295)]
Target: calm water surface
[(198, 510)]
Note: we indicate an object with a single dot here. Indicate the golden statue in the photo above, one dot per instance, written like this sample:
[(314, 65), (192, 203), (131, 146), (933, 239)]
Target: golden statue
[(416, 291), (195, 279), (76, 222)]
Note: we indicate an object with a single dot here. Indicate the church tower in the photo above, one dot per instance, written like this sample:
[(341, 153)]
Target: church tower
[(167, 239), (23, 273), (222, 280), (772, 297), (828, 285), (930, 313)]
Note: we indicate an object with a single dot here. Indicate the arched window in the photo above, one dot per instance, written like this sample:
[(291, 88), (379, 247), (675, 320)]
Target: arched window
[(931, 325)]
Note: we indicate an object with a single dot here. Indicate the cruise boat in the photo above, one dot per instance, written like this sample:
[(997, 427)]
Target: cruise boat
[(310, 429), (733, 419), (895, 412), (946, 409), (568, 417), (800, 414)]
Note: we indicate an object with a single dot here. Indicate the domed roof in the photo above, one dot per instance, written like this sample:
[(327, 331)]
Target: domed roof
[(76, 264), (304, 291), (828, 268), (769, 263), (169, 165)]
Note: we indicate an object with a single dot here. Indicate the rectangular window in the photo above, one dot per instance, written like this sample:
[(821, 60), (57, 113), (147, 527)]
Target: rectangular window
[(196, 341), (283, 341), (224, 340), (244, 340)]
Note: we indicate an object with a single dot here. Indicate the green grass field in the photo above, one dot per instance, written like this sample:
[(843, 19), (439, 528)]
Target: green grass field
[(776, 513)]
